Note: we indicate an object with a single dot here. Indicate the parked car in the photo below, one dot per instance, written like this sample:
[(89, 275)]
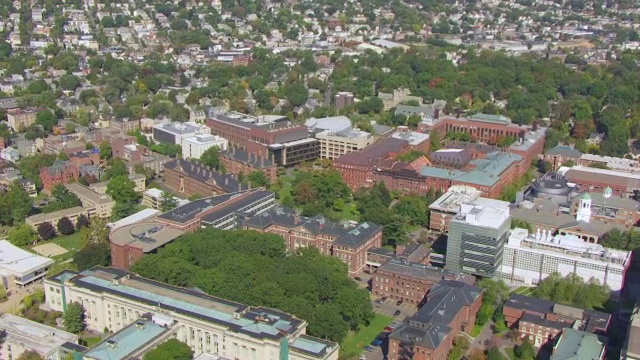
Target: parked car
[(397, 313), (363, 357), (357, 278), (369, 348), (399, 303), (377, 342)]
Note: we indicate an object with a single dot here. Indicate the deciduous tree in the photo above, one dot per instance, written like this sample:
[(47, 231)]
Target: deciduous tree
[(46, 231)]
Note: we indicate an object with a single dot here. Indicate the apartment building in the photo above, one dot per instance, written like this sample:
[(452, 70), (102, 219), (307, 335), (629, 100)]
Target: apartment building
[(139, 184), (53, 217), (152, 198), (347, 242), (125, 126), (114, 299), (530, 258), (450, 307), (20, 119), (96, 204)]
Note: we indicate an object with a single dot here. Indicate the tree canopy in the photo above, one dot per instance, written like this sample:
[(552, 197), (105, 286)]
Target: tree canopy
[(572, 290), (73, 318), (173, 349), (253, 268)]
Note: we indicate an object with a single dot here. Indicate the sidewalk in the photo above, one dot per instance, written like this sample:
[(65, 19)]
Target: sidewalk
[(12, 305)]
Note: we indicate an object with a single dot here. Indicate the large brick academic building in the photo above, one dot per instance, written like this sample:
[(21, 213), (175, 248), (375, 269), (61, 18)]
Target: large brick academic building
[(488, 168)]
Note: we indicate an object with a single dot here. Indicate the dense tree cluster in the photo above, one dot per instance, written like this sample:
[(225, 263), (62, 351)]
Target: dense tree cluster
[(61, 199), (254, 268), (622, 240), (495, 292), (318, 191), (15, 205), (572, 290)]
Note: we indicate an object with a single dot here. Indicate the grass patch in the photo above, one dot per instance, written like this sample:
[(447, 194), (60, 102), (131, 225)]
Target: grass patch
[(477, 329), (510, 352), (71, 242), (353, 344), (90, 341)]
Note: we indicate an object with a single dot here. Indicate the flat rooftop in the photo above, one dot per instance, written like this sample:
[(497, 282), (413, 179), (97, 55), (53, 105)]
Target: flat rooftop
[(258, 323), (18, 261), (42, 217), (127, 341), (412, 137), (84, 192), (147, 236), (491, 215), (568, 245), (454, 197), (181, 128), (35, 336), (205, 139)]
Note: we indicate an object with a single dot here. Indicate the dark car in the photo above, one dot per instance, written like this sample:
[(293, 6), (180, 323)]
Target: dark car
[(357, 278), (399, 303), (377, 342), (397, 313), (383, 299)]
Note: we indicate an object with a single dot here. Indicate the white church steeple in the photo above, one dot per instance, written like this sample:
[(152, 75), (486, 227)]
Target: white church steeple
[(584, 210)]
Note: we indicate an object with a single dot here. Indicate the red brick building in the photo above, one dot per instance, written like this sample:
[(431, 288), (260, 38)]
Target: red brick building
[(402, 280), (61, 172), (450, 307), (237, 160), (271, 136), (542, 320), (84, 158), (190, 178), (348, 243), (488, 172)]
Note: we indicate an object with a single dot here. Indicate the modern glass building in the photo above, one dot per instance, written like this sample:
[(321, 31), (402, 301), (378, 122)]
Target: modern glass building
[(477, 235)]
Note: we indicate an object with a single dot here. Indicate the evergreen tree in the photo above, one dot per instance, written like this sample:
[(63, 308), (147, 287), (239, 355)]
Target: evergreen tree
[(73, 319)]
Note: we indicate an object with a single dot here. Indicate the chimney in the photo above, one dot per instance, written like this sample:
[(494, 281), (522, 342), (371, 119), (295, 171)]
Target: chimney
[(535, 126), (436, 114), (226, 180), (399, 250)]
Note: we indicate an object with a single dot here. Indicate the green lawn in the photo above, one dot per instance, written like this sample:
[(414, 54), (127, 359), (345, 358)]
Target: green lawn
[(510, 352), (353, 344), (524, 290), (71, 242), (477, 329), (90, 341)]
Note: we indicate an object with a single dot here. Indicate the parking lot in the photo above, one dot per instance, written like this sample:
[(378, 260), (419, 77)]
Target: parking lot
[(390, 307)]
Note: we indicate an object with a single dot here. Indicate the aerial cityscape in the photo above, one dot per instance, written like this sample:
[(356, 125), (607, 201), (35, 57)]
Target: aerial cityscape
[(320, 180)]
